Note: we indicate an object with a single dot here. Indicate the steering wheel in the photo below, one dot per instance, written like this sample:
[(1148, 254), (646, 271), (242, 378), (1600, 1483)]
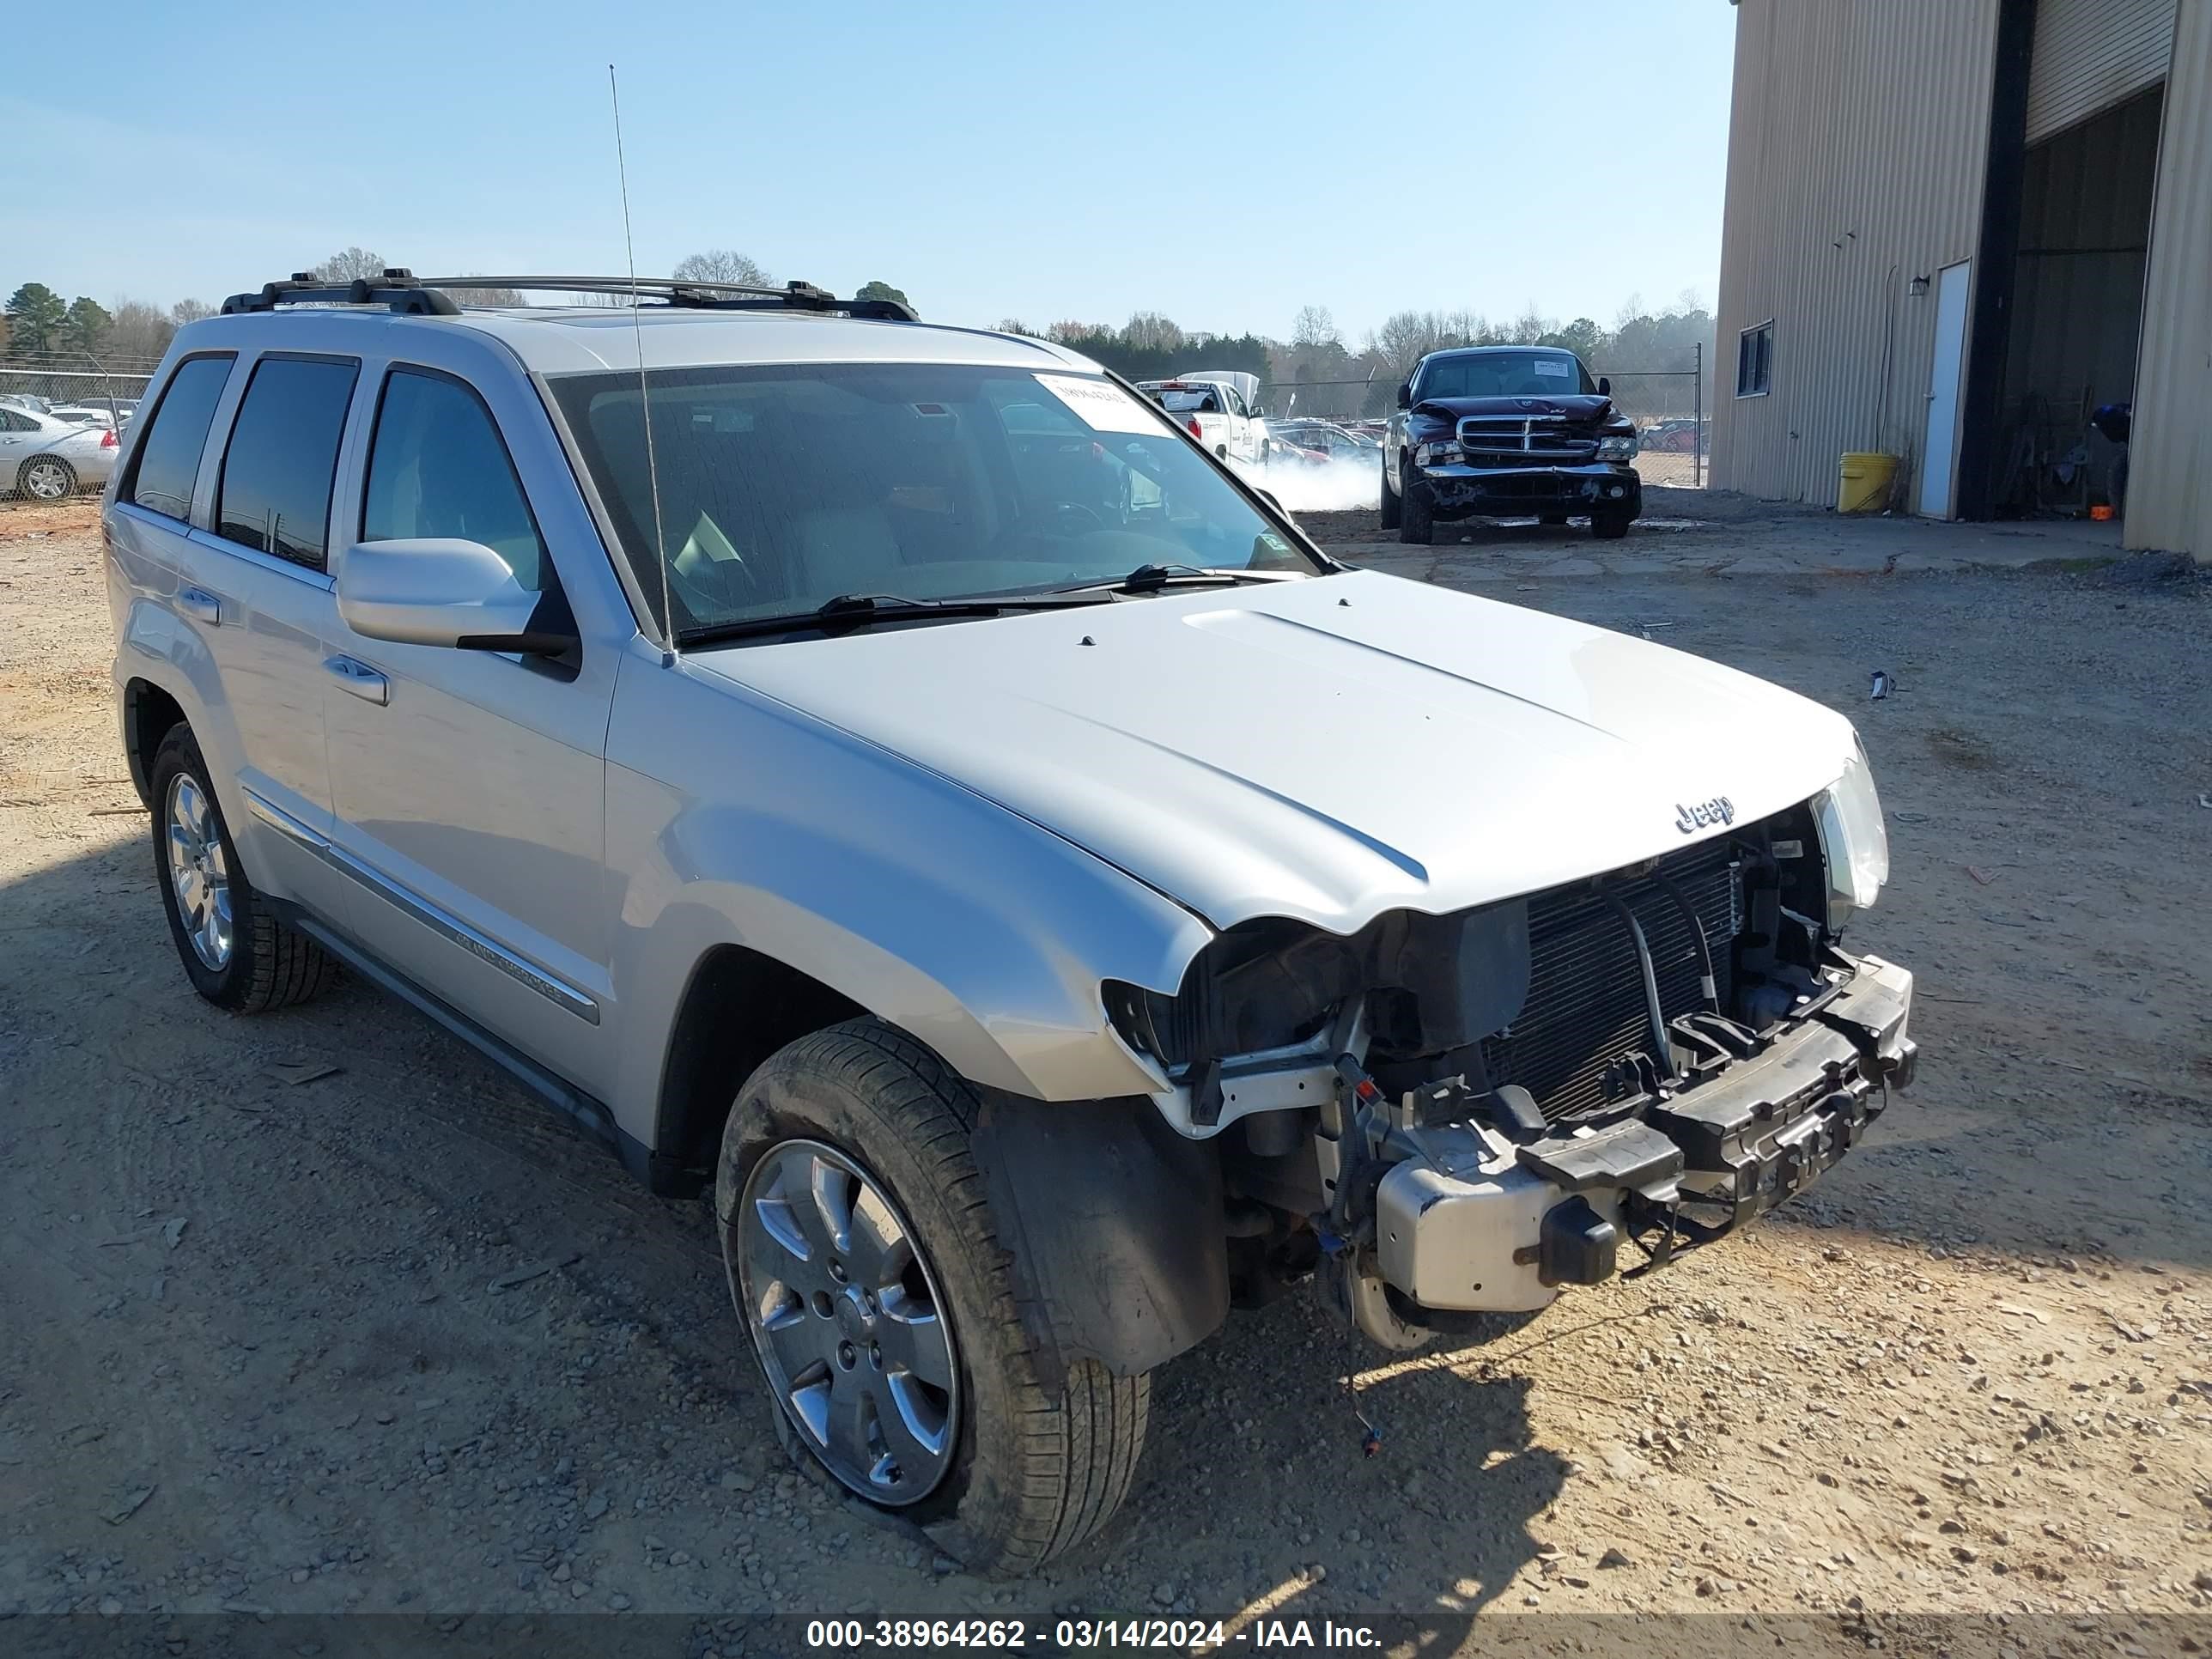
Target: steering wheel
[(1065, 510)]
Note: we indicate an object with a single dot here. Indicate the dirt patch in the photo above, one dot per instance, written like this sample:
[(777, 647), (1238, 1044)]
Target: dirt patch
[(1961, 750), (266, 1346)]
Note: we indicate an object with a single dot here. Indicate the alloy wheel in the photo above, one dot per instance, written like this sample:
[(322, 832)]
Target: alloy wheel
[(200, 871), (46, 481), (847, 1318)]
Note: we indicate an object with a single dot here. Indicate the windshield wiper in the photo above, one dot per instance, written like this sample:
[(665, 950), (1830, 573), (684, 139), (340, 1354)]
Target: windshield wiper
[(850, 611), (1151, 578)]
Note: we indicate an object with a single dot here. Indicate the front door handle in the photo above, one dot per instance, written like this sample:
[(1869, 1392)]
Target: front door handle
[(199, 602), (359, 678)]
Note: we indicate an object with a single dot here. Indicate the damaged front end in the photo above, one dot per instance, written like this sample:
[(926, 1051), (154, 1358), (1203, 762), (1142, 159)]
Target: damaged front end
[(1445, 1117)]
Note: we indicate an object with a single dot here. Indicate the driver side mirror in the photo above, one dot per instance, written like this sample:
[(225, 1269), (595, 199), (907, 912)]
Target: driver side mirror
[(440, 591), (1605, 386), (1405, 394)]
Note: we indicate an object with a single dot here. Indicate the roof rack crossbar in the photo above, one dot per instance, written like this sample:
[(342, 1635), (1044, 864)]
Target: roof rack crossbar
[(396, 290), (401, 290)]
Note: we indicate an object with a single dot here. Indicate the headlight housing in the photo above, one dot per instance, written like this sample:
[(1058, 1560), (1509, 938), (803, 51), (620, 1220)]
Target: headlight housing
[(1854, 841), (1440, 454), (1617, 446)]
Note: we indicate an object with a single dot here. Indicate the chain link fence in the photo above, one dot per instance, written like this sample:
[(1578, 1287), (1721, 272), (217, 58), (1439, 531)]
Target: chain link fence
[(1668, 406), (109, 388)]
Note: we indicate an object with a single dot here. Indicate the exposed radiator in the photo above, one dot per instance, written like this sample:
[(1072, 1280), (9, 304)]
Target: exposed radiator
[(1586, 1005)]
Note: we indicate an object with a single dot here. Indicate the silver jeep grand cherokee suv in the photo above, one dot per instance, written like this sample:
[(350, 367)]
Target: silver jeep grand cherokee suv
[(890, 778)]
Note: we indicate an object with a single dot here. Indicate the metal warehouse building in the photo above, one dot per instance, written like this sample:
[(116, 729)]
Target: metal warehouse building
[(1955, 229)]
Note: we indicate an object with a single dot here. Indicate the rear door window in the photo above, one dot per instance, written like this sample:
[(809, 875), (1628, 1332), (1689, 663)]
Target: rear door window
[(275, 493), (437, 467), (169, 454)]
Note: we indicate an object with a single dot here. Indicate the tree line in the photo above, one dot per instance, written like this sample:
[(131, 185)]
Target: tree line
[(38, 324), (1317, 371), (1328, 376)]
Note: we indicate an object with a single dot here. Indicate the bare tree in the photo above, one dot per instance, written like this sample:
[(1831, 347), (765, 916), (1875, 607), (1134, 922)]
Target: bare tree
[(491, 296), (1315, 327), (190, 311), (138, 330), (1149, 331), (347, 264), (721, 265)]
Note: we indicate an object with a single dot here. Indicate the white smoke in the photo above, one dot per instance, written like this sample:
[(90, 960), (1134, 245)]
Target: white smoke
[(1343, 484)]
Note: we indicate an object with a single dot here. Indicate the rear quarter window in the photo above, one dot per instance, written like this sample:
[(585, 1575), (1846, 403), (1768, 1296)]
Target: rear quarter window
[(168, 457), (275, 493)]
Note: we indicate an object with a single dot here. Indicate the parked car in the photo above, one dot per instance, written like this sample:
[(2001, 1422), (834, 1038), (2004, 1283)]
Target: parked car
[(792, 744), (1325, 440), (1217, 413), (89, 414), (1505, 432), (48, 459), (29, 400), (1672, 437)]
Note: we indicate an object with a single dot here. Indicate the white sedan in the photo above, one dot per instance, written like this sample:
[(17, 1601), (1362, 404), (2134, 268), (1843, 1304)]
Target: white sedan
[(49, 459)]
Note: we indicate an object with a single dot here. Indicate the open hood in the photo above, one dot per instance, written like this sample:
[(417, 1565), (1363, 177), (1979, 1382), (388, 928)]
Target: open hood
[(1326, 749)]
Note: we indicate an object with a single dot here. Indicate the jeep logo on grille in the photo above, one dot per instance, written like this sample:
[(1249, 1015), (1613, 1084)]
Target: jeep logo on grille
[(1719, 809)]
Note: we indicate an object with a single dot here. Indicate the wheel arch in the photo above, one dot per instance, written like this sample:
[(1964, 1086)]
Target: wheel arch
[(150, 714), (738, 1006)]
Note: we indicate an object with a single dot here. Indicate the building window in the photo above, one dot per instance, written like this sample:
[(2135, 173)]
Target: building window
[(1754, 360)]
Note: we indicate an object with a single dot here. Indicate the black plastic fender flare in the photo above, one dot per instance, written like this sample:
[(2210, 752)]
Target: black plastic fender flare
[(1113, 1225)]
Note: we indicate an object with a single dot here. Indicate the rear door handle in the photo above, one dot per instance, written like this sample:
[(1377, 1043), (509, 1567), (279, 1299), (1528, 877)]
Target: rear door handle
[(199, 602), (359, 678)]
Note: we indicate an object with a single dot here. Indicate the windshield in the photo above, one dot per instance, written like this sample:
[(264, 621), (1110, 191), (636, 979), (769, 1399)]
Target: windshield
[(1191, 400), (1504, 374), (784, 486)]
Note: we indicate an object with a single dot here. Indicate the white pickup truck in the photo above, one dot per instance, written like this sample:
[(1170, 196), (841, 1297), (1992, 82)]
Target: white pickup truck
[(1218, 409)]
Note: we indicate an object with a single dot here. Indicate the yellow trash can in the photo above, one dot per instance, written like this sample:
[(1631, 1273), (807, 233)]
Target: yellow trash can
[(1864, 486)]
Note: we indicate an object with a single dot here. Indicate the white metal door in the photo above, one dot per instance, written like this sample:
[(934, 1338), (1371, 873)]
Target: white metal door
[(1943, 388)]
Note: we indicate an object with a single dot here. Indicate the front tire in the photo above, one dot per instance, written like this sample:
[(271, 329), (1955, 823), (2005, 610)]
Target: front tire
[(1417, 516), (46, 478), (1390, 503), (1608, 526), (845, 1181), (237, 954)]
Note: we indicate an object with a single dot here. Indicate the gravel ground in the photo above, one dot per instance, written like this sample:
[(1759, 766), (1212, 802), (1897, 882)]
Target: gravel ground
[(393, 1338)]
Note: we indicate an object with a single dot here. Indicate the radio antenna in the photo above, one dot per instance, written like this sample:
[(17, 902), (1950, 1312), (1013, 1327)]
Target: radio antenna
[(644, 404)]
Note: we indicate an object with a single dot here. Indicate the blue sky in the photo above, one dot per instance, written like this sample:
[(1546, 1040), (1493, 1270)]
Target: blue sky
[(1223, 164)]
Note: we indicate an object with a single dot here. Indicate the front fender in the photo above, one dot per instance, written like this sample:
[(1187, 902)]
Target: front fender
[(733, 819)]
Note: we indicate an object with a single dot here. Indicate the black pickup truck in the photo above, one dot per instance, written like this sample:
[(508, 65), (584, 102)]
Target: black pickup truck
[(1507, 432)]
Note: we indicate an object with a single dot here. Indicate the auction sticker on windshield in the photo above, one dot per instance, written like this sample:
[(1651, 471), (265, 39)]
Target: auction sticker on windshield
[(1550, 366), (1100, 405)]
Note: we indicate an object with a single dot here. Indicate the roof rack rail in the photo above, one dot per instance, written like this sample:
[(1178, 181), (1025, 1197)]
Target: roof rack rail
[(400, 290), (683, 291)]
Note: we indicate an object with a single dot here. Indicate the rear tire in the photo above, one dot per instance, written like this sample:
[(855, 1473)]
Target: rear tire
[(1608, 526), (1032, 1467), (1390, 503), (46, 478), (1416, 513), (237, 954)]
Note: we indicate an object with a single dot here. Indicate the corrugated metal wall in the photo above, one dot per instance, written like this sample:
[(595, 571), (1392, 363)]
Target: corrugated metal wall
[(1857, 148), (2170, 487), (2089, 55)]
